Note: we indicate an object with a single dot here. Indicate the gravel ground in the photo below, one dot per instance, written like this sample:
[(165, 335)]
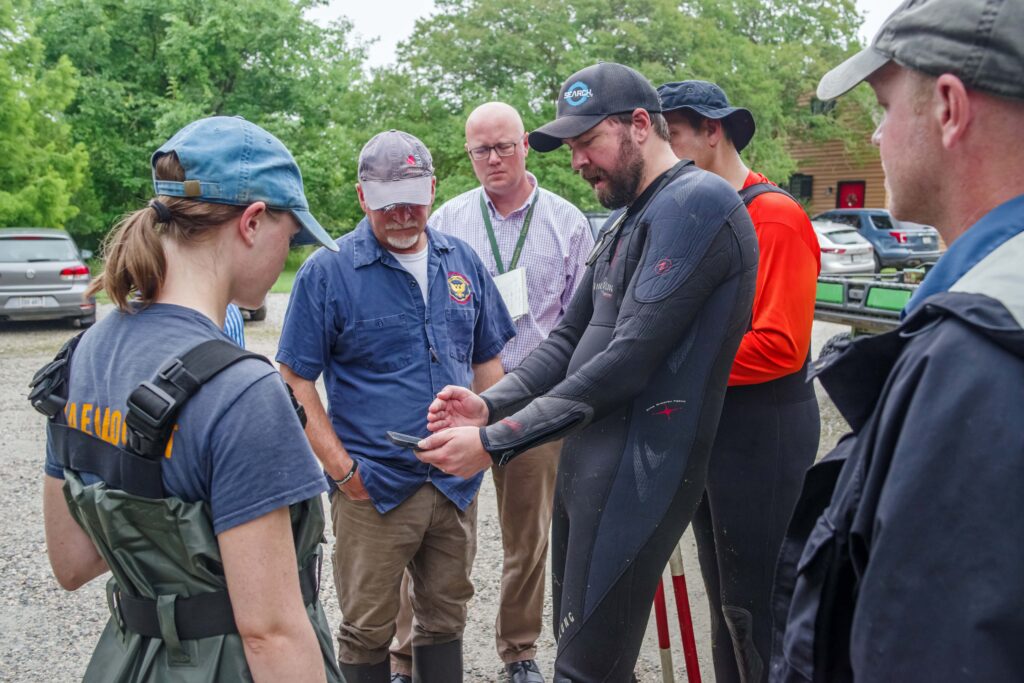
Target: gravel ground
[(47, 634)]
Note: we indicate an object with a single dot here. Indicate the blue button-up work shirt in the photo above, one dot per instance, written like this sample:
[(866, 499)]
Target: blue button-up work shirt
[(358, 317)]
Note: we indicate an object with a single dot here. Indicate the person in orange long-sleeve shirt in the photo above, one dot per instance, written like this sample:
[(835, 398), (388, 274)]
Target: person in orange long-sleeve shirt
[(768, 433)]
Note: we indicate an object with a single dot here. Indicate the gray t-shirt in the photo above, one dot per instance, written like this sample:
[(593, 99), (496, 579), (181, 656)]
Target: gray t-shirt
[(237, 445)]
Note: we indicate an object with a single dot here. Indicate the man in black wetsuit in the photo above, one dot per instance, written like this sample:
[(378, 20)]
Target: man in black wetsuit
[(633, 377)]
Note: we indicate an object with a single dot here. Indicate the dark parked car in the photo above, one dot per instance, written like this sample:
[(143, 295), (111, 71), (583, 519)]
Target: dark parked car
[(898, 244), (43, 276), (255, 314)]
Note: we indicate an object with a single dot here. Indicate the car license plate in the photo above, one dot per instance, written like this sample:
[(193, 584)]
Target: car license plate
[(928, 241), (26, 302)]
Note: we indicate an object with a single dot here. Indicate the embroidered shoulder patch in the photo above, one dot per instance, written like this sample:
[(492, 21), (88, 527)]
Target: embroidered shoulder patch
[(459, 287)]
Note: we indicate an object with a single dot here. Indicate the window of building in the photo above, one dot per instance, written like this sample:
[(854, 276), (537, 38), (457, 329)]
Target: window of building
[(801, 186)]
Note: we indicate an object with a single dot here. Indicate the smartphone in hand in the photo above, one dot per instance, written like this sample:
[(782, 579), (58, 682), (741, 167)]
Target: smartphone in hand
[(404, 440)]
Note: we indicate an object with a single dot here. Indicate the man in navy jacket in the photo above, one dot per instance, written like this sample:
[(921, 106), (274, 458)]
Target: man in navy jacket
[(903, 560)]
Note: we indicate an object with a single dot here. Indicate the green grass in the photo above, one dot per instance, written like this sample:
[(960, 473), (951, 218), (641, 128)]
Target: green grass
[(284, 281)]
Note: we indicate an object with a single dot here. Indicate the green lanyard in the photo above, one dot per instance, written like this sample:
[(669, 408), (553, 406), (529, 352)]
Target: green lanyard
[(494, 241)]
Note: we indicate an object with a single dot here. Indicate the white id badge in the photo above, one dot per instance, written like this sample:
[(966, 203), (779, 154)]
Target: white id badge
[(512, 287)]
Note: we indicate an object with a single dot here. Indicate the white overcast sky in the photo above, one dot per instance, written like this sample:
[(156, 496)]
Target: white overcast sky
[(391, 21)]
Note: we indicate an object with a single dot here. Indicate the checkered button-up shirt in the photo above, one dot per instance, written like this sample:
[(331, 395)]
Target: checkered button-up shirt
[(554, 255)]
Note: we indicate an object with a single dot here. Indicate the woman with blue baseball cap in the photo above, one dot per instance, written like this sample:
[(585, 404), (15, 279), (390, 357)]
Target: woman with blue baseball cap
[(176, 460)]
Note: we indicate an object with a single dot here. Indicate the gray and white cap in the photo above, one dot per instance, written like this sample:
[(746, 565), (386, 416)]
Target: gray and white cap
[(395, 168), (979, 41)]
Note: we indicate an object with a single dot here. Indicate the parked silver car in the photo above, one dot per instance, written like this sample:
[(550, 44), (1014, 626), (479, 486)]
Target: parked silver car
[(843, 250), (43, 276)]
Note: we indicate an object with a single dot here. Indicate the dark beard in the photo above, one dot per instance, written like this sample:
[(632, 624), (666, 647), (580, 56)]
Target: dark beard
[(624, 181)]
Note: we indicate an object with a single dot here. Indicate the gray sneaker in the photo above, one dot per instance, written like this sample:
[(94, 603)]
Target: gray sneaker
[(525, 671), (400, 678)]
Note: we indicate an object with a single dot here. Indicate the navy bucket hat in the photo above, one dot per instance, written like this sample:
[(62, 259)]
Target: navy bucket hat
[(228, 160), (708, 100)]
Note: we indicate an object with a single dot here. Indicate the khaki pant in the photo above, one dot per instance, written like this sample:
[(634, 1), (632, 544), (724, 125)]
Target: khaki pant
[(428, 534), (525, 492)]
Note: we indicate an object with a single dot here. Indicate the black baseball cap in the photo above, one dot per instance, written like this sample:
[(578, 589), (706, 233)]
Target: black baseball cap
[(979, 41), (709, 100), (590, 96)]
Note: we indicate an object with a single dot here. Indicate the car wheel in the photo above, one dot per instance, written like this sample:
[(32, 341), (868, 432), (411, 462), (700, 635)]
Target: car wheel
[(259, 313), (83, 322), (878, 264)]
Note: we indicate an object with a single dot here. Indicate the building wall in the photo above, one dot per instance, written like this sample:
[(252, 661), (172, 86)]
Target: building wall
[(828, 163)]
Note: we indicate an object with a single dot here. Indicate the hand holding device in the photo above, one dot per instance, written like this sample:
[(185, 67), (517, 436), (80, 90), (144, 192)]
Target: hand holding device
[(404, 440)]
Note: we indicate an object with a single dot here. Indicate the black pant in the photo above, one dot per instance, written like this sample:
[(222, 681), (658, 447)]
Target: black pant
[(767, 438)]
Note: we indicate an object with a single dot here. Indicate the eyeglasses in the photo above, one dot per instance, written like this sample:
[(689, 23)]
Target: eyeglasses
[(504, 149)]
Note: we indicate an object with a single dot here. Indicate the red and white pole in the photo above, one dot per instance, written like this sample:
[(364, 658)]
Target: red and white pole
[(668, 674), (685, 618)]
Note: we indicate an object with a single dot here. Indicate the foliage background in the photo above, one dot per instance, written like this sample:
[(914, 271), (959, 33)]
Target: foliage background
[(89, 88)]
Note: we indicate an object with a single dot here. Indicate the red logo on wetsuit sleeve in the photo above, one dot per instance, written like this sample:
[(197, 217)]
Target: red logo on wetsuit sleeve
[(662, 266)]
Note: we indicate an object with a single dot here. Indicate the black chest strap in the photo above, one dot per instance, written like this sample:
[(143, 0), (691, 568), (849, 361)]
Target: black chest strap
[(752, 192), (154, 405), (153, 408), (118, 468)]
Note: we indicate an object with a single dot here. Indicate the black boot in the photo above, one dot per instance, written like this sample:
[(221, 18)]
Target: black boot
[(366, 673), (437, 663)]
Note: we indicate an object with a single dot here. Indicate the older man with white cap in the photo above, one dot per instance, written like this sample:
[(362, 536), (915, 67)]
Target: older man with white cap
[(903, 560), (398, 313)]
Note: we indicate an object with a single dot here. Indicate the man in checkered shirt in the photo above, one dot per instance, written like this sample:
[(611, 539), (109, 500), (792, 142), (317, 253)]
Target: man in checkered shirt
[(513, 224)]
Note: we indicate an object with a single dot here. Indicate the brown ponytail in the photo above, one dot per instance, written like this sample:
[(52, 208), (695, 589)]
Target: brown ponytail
[(135, 265)]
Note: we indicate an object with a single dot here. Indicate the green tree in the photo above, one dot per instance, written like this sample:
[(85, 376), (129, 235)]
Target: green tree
[(40, 168), (767, 54), (150, 66)]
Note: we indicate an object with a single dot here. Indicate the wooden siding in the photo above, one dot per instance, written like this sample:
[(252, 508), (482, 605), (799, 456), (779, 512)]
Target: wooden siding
[(828, 163)]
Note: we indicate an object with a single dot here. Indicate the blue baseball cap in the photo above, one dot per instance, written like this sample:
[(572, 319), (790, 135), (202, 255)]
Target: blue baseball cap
[(228, 160), (709, 101)]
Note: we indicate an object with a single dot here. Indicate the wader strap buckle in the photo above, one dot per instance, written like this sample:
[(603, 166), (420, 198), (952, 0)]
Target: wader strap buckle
[(149, 411)]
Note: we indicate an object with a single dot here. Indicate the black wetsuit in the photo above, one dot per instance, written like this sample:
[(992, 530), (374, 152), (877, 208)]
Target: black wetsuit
[(634, 377)]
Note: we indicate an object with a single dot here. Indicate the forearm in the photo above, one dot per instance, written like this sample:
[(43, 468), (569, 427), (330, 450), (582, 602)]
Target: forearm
[(327, 447), (291, 655), (73, 556), (261, 569), (487, 374)]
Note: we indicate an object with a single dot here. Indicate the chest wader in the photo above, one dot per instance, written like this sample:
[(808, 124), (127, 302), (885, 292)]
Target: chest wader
[(171, 617)]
